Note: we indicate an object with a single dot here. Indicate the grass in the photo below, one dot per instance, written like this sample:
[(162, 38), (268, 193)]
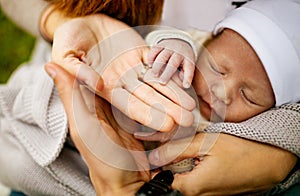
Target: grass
[(15, 47)]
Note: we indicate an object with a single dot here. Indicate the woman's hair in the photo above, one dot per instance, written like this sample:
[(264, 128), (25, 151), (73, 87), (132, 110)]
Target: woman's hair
[(131, 12)]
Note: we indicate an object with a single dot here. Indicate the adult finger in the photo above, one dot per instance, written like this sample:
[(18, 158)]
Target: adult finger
[(146, 105), (68, 88), (171, 91), (169, 152), (85, 128), (159, 102), (199, 145), (140, 111), (84, 73), (177, 133), (70, 46), (154, 136)]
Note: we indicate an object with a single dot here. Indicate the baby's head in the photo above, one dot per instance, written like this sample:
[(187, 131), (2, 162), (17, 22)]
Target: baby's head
[(251, 64), (230, 80)]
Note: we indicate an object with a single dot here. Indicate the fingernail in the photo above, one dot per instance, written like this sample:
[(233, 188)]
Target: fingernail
[(186, 84), (163, 82), (100, 84), (155, 156), (144, 134), (155, 74), (51, 72), (91, 82)]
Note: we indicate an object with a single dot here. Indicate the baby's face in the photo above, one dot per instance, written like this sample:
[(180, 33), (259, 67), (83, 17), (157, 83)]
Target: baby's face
[(230, 80)]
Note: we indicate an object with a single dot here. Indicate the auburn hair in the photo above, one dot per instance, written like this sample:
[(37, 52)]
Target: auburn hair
[(131, 12)]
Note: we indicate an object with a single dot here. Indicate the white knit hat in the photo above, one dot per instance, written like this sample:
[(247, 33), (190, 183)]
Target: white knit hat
[(272, 28)]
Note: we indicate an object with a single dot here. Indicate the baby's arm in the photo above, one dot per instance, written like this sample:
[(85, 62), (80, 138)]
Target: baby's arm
[(170, 55)]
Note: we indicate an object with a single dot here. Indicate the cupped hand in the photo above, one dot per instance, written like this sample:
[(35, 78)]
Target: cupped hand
[(228, 165), (107, 56), (117, 162)]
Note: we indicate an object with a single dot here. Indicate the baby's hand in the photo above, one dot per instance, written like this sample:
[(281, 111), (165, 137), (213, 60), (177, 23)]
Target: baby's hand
[(169, 55)]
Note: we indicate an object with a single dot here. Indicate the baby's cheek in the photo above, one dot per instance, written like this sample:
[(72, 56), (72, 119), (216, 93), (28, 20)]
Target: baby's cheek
[(240, 113)]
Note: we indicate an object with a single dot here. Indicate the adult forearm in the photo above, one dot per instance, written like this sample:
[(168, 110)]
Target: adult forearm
[(25, 13), (278, 127)]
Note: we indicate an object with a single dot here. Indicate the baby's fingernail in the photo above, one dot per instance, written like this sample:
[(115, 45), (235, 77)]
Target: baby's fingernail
[(163, 82), (155, 74)]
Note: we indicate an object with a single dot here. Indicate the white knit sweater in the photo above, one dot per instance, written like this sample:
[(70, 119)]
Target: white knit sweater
[(34, 155)]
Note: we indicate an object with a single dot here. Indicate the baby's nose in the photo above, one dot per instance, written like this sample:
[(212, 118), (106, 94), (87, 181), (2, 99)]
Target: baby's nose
[(221, 93)]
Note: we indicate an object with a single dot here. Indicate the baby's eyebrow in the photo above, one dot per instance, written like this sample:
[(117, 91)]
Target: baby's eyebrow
[(220, 67)]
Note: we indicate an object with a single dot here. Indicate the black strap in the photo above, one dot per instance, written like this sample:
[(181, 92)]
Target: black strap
[(160, 185)]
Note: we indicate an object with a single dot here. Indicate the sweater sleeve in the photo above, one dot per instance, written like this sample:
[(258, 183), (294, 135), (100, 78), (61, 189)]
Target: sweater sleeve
[(25, 13), (194, 38), (32, 108)]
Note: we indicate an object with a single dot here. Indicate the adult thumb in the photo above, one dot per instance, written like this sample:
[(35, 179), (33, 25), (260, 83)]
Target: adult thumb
[(68, 89), (172, 151)]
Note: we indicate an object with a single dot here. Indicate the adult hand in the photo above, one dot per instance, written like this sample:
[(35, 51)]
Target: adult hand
[(97, 45), (117, 162), (232, 166)]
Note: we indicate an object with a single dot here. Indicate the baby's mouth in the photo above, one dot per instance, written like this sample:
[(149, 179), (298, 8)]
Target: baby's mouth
[(210, 111), (204, 107)]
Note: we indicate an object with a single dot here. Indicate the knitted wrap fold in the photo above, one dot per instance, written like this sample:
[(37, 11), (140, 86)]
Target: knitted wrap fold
[(32, 108), (279, 127)]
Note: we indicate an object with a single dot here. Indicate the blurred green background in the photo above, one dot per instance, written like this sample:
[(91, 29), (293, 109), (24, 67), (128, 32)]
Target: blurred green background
[(15, 47)]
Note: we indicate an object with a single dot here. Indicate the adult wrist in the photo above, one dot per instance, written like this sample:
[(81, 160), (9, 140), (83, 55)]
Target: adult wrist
[(51, 18)]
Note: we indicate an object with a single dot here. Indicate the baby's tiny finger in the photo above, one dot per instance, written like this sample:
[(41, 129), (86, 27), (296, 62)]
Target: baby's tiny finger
[(160, 61), (152, 54), (172, 66), (167, 74), (188, 73), (177, 80)]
